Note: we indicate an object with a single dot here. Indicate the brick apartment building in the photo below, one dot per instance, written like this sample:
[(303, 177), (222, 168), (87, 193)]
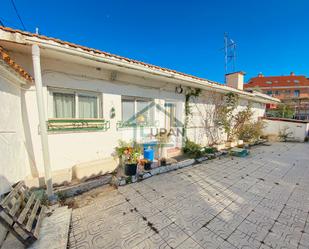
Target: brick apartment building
[(292, 90)]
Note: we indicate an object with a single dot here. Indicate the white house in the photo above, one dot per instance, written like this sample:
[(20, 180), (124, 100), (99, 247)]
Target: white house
[(88, 97)]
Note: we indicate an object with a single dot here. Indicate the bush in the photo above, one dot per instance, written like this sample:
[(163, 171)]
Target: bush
[(195, 150), (284, 134), (282, 111), (251, 131), (192, 149), (210, 150)]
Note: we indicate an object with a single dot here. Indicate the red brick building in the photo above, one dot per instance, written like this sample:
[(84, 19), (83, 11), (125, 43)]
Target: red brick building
[(292, 90)]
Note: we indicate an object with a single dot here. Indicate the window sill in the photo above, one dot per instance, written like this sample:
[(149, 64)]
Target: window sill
[(79, 125), (125, 125)]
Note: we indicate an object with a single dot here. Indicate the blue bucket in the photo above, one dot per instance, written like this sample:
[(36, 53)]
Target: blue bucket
[(149, 154)]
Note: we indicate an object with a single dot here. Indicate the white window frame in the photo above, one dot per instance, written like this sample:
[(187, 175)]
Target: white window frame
[(135, 100), (76, 92)]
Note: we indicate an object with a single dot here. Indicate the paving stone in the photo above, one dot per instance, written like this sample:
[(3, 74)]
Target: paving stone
[(243, 240), (216, 204), (256, 232), (304, 241), (189, 244), (207, 238), (173, 235), (154, 241), (220, 227)]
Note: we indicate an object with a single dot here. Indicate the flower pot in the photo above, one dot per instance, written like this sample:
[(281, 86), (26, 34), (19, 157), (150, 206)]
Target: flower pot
[(147, 166), (130, 169), (163, 162)]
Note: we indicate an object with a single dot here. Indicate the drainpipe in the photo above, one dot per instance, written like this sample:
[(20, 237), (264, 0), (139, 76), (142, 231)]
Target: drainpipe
[(42, 119)]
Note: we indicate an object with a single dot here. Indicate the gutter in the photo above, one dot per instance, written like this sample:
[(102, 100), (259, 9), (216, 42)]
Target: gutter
[(42, 119), (186, 80)]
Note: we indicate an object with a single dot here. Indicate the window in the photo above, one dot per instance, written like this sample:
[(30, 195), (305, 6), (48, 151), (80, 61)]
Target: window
[(64, 105), (268, 82), (269, 93), (128, 109), (296, 93), (142, 108), (288, 92), (170, 117), (296, 81), (75, 104), (277, 93), (87, 106), (137, 110)]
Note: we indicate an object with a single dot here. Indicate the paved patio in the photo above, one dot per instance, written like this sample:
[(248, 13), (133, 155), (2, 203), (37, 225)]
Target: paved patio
[(261, 201)]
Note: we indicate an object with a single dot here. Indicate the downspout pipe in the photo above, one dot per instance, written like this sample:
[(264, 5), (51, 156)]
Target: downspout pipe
[(42, 119)]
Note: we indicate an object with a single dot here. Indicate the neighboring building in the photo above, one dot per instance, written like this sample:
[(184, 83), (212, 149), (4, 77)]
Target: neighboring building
[(90, 97), (292, 90)]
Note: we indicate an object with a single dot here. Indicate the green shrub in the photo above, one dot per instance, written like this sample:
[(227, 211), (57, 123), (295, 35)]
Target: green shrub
[(210, 150), (192, 149), (195, 150), (251, 132)]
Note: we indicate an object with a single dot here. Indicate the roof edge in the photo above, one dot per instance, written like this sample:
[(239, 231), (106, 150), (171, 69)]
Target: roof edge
[(19, 70), (79, 50)]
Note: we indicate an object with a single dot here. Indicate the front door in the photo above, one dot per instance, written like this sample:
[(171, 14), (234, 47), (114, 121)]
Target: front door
[(170, 115)]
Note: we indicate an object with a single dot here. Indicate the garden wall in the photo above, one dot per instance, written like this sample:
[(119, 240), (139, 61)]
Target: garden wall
[(296, 129)]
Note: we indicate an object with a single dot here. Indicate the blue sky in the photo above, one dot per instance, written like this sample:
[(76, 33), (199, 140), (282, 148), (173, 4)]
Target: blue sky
[(272, 36)]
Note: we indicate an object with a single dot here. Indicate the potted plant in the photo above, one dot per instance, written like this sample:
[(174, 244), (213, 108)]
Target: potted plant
[(163, 161), (146, 164), (129, 156)]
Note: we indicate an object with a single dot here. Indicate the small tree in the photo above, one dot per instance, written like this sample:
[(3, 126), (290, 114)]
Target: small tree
[(226, 114), (208, 113), (251, 131), (218, 113), (282, 111)]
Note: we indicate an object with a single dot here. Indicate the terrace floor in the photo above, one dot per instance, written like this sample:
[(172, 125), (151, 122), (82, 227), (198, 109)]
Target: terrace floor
[(261, 201)]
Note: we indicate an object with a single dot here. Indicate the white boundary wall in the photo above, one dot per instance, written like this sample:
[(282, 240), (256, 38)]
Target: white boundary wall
[(298, 129)]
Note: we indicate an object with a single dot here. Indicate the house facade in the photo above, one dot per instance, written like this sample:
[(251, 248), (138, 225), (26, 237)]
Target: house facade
[(292, 90), (90, 99)]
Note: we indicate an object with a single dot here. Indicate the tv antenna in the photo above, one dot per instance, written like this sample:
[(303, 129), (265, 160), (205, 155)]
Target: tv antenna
[(229, 53)]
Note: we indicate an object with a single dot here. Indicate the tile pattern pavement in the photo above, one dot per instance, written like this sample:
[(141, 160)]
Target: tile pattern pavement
[(261, 201)]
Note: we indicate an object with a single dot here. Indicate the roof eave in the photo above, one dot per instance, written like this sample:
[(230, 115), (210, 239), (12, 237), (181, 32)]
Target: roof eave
[(176, 77)]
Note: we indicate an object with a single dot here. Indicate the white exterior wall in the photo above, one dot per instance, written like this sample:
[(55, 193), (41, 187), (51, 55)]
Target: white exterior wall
[(12, 140), (204, 104), (298, 130), (68, 149), (71, 148)]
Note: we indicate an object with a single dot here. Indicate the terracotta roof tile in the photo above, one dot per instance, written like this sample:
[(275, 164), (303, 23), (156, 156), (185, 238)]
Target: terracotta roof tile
[(96, 51), (278, 81), (11, 63)]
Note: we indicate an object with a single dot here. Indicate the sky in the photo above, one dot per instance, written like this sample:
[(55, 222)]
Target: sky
[(271, 36)]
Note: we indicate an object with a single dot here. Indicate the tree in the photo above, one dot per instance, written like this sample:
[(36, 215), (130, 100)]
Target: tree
[(207, 110), (282, 111), (219, 114)]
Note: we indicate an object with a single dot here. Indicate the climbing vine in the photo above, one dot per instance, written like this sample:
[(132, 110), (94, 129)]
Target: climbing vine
[(233, 122), (190, 93)]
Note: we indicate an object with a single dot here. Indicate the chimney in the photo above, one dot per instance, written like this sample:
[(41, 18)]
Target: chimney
[(292, 74), (260, 75), (235, 80)]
